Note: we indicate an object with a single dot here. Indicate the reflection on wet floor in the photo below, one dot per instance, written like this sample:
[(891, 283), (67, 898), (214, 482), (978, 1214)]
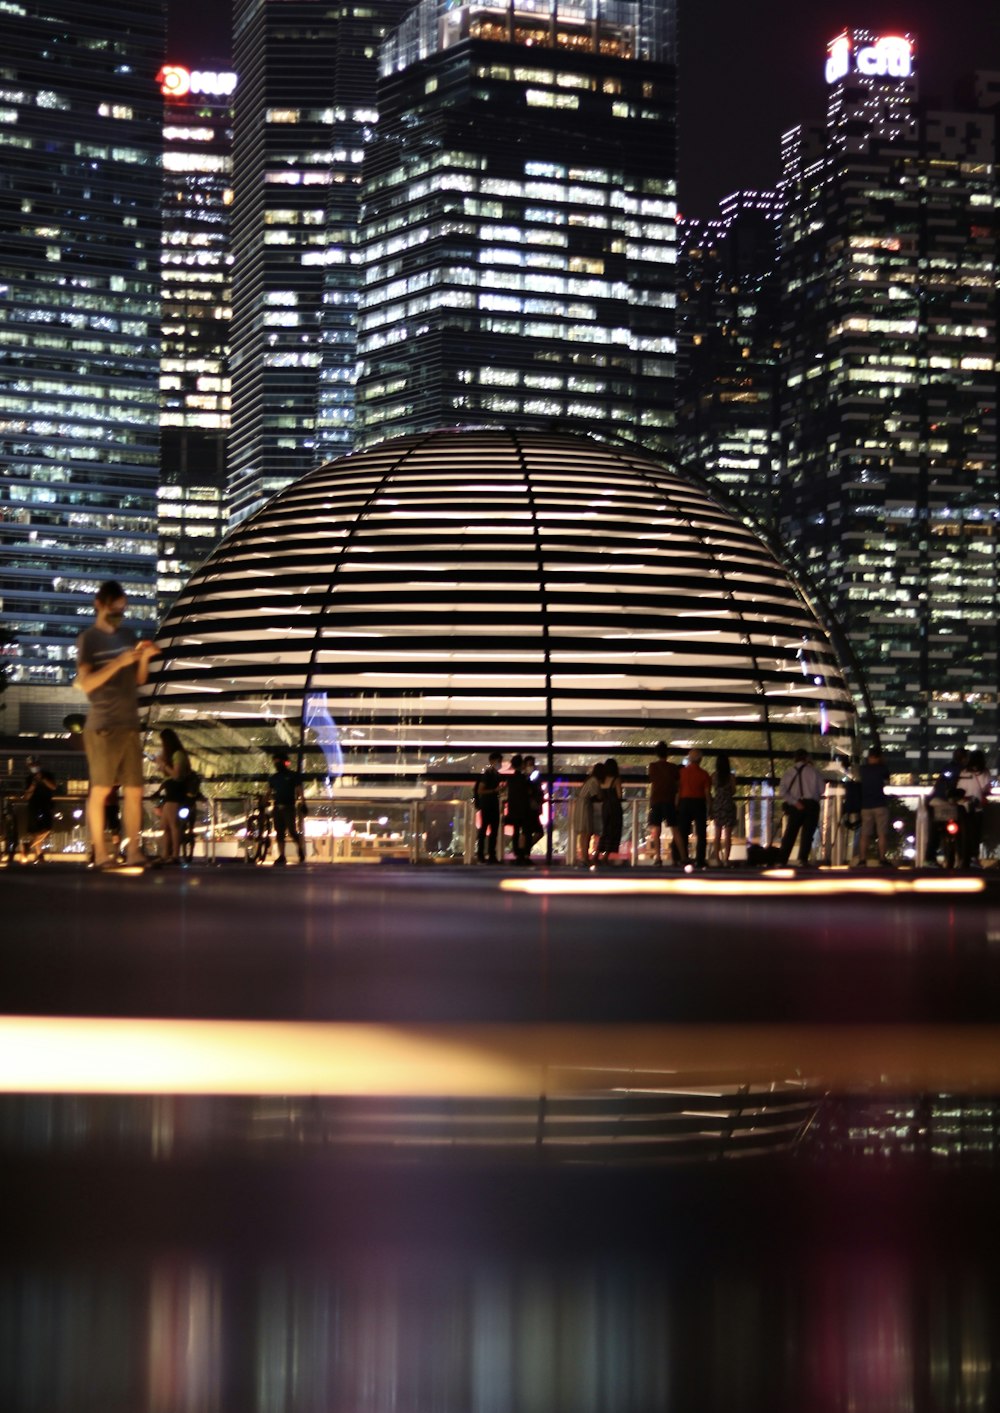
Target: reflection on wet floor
[(222, 1255), (436, 1147), (179, 1333), (676, 1125), (669, 1126)]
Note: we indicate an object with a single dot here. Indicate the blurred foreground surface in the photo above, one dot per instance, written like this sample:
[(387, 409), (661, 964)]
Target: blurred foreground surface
[(706, 1236)]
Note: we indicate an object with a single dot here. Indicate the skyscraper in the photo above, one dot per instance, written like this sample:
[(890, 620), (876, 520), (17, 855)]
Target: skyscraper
[(80, 135), (519, 219), (728, 357), (889, 392), (304, 109), (197, 308)]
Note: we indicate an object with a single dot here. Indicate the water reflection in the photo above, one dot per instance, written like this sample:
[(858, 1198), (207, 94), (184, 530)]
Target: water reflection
[(185, 1340), (201, 1255), (404, 1333)]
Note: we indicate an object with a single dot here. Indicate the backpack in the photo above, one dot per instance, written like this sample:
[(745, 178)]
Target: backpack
[(192, 785)]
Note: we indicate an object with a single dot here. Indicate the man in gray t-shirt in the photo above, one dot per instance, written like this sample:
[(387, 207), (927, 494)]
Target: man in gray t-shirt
[(111, 665)]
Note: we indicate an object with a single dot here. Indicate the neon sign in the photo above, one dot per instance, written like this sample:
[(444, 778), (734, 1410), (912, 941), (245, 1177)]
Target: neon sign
[(178, 82), (889, 56)]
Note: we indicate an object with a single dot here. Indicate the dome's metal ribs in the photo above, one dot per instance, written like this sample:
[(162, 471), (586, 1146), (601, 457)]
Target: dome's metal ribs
[(357, 524), (461, 590), (550, 766), (699, 534)]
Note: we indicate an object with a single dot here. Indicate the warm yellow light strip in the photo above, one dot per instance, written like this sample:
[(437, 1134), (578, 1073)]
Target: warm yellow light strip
[(768, 885), (90, 1055)]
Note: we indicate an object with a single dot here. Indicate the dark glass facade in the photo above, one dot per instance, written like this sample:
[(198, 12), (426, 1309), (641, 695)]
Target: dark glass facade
[(519, 222), (889, 396), (80, 140), (728, 356), (304, 109)]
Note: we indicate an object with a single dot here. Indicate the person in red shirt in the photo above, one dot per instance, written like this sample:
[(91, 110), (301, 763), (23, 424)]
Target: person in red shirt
[(693, 798)]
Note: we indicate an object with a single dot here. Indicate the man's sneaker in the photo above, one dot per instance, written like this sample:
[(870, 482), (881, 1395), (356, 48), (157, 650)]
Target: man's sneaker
[(279, 861)]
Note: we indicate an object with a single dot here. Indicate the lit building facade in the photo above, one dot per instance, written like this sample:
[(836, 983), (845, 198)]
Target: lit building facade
[(196, 314), (304, 109), (80, 134), (889, 394), (519, 222), (412, 605), (727, 421)]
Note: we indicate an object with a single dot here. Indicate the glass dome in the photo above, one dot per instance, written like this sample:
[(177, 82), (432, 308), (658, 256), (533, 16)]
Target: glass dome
[(429, 599)]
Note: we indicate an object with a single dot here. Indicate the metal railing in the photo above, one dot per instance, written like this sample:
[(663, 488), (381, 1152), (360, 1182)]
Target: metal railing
[(431, 828)]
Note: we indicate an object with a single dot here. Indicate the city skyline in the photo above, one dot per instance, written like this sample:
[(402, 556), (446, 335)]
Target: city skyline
[(736, 97), (567, 263)]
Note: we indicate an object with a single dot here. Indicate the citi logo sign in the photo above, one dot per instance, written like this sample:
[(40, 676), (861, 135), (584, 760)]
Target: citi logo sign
[(889, 56)]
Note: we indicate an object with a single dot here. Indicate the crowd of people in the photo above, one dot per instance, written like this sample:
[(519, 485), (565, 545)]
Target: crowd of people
[(516, 800), (684, 799)]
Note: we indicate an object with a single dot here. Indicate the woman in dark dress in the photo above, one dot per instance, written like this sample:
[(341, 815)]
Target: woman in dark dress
[(175, 764), (611, 813)]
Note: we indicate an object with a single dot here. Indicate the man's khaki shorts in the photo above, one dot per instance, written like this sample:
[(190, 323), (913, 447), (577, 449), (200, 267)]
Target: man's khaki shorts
[(114, 757)]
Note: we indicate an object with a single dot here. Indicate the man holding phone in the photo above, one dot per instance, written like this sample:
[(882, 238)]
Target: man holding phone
[(111, 666)]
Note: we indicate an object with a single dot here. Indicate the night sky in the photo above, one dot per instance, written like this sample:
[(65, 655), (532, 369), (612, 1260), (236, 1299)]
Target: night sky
[(749, 69)]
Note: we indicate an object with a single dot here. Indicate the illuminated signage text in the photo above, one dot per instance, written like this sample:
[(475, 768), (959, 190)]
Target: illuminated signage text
[(889, 56), (178, 82)]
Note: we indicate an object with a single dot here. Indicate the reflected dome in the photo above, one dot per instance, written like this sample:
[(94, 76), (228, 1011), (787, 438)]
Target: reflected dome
[(438, 596)]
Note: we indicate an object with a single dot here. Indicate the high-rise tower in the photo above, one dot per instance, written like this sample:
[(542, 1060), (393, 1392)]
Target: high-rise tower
[(889, 393), (80, 134), (519, 220), (197, 309), (727, 424), (304, 109)]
